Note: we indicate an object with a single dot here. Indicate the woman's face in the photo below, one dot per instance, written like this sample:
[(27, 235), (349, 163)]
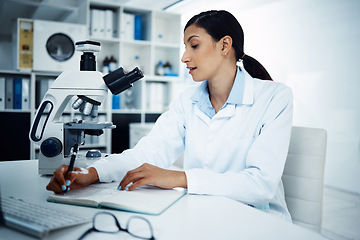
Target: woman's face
[(202, 54)]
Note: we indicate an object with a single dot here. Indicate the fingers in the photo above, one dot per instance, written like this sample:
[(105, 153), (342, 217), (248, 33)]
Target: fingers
[(54, 186), (149, 174), (139, 183), (82, 177), (61, 179), (59, 174), (57, 183), (132, 176)]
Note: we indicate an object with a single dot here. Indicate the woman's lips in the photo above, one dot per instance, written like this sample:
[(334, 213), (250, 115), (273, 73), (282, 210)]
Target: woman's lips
[(191, 70)]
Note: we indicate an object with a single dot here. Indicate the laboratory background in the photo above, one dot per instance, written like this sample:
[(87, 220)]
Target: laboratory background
[(310, 45)]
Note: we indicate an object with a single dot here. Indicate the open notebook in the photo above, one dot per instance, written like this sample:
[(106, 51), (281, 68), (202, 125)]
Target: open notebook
[(146, 199)]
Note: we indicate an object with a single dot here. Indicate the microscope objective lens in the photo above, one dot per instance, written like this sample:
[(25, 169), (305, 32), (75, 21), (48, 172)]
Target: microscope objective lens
[(94, 112), (87, 108), (77, 103)]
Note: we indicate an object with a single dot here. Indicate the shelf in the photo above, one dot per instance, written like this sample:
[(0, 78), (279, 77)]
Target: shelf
[(126, 111), (104, 40), (157, 78), (16, 110), (15, 72), (160, 41), (136, 42), (166, 45)]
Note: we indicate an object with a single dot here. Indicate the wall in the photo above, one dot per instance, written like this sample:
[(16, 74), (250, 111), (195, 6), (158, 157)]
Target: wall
[(313, 47)]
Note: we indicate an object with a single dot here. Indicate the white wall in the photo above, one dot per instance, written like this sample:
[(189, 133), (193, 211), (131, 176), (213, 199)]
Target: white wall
[(313, 46)]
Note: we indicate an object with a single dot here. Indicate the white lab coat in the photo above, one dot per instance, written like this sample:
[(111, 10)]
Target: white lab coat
[(240, 153)]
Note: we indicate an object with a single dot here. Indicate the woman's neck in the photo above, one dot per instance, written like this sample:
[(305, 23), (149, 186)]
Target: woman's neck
[(220, 87)]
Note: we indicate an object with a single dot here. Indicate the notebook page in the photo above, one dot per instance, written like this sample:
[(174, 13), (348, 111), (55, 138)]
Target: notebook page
[(91, 195), (145, 199)]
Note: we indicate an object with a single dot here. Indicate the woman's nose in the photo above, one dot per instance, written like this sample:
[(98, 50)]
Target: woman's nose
[(184, 57)]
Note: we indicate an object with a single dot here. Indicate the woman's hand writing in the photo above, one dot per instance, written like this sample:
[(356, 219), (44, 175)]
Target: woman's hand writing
[(75, 179)]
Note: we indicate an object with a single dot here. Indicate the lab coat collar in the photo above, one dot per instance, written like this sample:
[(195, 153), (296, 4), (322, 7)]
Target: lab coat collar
[(227, 112), (247, 97), (248, 94), (237, 90)]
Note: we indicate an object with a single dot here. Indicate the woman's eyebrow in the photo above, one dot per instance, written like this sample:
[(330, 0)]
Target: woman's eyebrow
[(188, 40)]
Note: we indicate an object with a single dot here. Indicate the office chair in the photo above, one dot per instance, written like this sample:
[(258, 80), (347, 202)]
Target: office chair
[(303, 176)]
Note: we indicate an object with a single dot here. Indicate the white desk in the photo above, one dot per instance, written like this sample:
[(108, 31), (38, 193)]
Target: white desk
[(192, 217)]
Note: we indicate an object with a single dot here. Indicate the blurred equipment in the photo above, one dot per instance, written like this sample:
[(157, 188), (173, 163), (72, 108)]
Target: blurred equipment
[(47, 45), (90, 89), (54, 45)]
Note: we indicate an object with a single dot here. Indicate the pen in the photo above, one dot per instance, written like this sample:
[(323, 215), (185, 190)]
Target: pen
[(71, 165)]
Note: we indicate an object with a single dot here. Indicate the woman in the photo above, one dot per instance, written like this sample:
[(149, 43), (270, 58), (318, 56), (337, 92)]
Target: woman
[(233, 128)]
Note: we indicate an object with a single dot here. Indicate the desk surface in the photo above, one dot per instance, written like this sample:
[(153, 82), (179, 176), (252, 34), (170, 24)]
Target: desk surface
[(192, 217)]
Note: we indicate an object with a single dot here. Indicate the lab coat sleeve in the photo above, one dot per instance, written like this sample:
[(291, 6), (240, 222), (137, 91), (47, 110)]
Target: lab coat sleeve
[(160, 147), (258, 182)]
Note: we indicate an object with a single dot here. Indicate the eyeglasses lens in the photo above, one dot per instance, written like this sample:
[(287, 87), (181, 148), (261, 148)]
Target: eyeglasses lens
[(105, 223), (139, 228)]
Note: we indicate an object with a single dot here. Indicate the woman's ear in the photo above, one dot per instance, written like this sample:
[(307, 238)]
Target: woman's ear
[(226, 45)]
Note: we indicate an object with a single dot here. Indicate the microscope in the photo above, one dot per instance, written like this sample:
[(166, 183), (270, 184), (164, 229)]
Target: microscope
[(58, 140)]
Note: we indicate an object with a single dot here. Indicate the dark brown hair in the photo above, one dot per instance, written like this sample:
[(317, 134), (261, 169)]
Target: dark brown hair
[(222, 23)]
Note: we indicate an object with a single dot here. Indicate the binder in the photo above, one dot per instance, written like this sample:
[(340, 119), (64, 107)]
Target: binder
[(109, 24), (155, 96), (9, 93), (17, 93), (138, 27), (129, 26), (101, 21), (97, 23), (25, 94), (2, 93), (92, 22), (116, 101)]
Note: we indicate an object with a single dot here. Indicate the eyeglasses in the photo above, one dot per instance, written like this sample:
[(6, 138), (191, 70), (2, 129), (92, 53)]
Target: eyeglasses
[(106, 222)]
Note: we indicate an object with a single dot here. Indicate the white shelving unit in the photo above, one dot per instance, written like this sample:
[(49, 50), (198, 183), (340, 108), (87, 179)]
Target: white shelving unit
[(161, 37), (160, 42)]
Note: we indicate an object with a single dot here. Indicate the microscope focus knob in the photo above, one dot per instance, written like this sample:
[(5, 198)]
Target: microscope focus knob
[(51, 147)]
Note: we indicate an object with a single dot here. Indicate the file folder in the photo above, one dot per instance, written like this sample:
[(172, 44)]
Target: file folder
[(25, 94), (17, 93), (9, 93), (2, 93), (138, 27), (109, 24), (129, 26)]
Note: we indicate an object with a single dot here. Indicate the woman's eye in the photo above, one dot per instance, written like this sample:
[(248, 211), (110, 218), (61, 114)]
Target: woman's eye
[(195, 46)]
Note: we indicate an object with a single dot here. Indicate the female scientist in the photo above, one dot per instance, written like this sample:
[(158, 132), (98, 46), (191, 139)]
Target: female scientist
[(234, 127)]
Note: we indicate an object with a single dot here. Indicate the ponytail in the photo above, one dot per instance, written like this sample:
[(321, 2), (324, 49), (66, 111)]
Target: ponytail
[(222, 23), (255, 69)]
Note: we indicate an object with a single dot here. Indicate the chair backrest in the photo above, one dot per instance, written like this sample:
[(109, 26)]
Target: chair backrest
[(303, 176)]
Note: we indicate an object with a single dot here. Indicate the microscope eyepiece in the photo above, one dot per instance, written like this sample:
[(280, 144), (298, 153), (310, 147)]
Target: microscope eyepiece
[(117, 81)]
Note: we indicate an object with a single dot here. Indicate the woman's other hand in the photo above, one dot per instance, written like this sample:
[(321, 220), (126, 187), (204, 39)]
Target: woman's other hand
[(150, 174)]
